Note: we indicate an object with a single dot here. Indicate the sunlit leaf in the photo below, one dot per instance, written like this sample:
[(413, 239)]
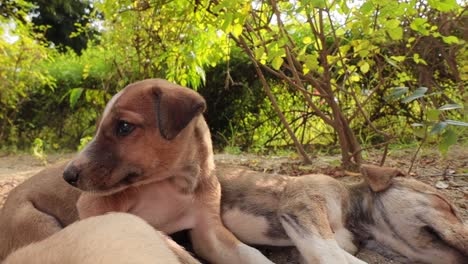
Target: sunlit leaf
[(451, 40), (307, 40), (75, 94), (398, 58), (395, 33), (277, 62), (364, 67), (237, 30), (443, 5)]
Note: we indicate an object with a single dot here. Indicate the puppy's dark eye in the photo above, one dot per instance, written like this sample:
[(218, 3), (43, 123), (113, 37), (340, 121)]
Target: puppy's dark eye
[(124, 128)]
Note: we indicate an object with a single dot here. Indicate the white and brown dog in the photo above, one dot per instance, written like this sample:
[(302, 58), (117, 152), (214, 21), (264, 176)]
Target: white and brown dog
[(327, 220)]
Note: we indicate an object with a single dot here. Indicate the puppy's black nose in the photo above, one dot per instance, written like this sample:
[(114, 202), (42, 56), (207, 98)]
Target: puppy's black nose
[(71, 175)]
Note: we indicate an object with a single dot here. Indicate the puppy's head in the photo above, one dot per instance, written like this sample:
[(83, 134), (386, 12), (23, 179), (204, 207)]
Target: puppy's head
[(143, 132), (379, 178)]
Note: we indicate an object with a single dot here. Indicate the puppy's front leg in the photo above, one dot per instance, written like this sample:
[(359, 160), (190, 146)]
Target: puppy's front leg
[(213, 242)]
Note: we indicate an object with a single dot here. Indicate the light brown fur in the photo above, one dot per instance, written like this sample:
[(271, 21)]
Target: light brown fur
[(115, 238), (36, 209)]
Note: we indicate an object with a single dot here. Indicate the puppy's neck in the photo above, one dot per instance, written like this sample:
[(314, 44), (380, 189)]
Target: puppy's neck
[(197, 167)]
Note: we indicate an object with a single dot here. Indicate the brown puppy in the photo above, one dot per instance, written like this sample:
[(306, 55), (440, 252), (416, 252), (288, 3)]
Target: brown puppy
[(115, 238), (152, 157), (326, 219)]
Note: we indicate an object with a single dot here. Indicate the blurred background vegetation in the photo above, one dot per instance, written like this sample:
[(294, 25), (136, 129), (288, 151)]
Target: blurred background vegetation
[(305, 75)]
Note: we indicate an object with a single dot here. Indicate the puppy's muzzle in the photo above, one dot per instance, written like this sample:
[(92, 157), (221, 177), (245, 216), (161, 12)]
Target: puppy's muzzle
[(71, 175)]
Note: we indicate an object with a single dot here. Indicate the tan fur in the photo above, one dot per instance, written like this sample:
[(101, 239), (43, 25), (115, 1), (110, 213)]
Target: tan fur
[(112, 238), (379, 178), (327, 219), (37, 208)]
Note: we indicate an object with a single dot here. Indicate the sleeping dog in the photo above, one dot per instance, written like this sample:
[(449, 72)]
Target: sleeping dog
[(328, 220)]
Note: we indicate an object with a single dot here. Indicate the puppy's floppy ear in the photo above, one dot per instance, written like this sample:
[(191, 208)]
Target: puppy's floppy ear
[(379, 178), (176, 106)]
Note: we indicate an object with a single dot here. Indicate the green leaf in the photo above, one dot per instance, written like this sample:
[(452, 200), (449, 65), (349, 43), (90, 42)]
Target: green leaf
[(311, 61), (391, 62), (433, 114), (450, 107), (418, 93), (456, 123), (396, 93), (419, 25), (417, 58), (443, 5), (228, 17), (398, 58), (393, 23), (237, 30), (450, 40), (438, 128), (259, 53), (75, 94), (449, 138), (419, 130), (366, 7), (318, 3), (364, 67), (307, 40), (395, 33), (277, 62)]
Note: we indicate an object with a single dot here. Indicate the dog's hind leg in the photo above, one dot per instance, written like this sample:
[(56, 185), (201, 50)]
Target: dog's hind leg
[(306, 223), (316, 245)]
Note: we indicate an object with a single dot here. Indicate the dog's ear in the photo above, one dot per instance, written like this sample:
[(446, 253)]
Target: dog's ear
[(379, 178), (176, 106)]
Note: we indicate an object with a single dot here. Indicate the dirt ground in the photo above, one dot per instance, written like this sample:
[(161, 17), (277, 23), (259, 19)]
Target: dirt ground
[(449, 174)]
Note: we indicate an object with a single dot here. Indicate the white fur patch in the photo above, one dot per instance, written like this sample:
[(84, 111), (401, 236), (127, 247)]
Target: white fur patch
[(315, 249), (250, 228), (250, 255), (345, 240)]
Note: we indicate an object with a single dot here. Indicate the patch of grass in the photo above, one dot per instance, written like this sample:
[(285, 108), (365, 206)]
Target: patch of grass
[(234, 150)]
